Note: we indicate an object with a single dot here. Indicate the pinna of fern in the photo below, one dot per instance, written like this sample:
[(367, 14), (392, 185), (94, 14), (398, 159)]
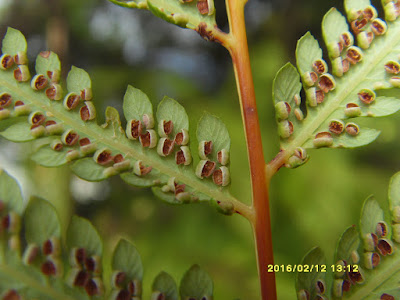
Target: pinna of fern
[(363, 59), (153, 150), (366, 262), (37, 262)]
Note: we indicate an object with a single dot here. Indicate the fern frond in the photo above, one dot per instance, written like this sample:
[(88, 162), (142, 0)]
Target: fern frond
[(152, 151), (198, 15), (350, 89), (40, 266), (367, 261)]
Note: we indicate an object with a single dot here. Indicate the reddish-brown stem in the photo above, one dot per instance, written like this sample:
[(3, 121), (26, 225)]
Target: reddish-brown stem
[(237, 46)]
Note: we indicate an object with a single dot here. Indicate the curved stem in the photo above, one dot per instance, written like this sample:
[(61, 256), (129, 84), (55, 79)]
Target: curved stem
[(237, 46)]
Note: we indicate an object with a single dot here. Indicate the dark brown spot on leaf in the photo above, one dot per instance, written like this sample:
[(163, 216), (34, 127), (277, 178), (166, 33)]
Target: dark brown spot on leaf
[(50, 122), (11, 295), (19, 103), (18, 75), (5, 222), (5, 100), (392, 67), (319, 66), (168, 127), (80, 256), (161, 296), (144, 170), (132, 287), (136, 128), (7, 61), (208, 169), (118, 158), (381, 229), (358, 25), (179, 188), (208, 146), (119, 279), (124, 295), (346, 65), (58, 147), (180, 158), (71, 138), (51, 92), (81, 278), (145, 139), (377, 27), (387, 297), (206, 34), (353, 56), (355, 277), (320, 286), (375, 259), (366, 96), (179, 138), (202, 6), (47, 247), (345, 39), (368, 13), (217, 177), (48, 268), (336, 127), (92, 288), (85, 114), (83, 142), (320, 96), (384, 247), (90, 264), (168, 147), (326, 84), (73, 101), (104, 157), (352, 129), (38, 119), (40, 82), (45, 54), (346, 285)]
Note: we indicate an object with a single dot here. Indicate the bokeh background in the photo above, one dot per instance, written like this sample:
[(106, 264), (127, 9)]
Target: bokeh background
[(310, 206)]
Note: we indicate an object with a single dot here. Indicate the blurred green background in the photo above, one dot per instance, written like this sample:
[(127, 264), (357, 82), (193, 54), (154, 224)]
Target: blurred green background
[(310, 206)]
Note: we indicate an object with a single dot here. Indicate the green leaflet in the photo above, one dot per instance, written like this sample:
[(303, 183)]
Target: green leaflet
[(376, 257), (64, 120), (183, 14), (82, 234), (334, 97), (211, 128), (136, 104), (333, 26), (348, 242), (14, 42), (165, 284), (20, 132), (10, 192), (196, 284), (36, 231), (171, 110), (48, 62), (371, 214), (127, 259), (39, 272), (78, 80), (307, 280), (47, 157)]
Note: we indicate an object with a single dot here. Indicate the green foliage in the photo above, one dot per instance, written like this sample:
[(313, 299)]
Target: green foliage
[(326, 116), (48, 269), (187, 14), (150, 152), (366, 260)]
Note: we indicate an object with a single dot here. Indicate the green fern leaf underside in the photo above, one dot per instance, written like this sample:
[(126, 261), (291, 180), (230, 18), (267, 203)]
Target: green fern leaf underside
[(69, 133), (373, 248), (328, 121), (41, 266), (185, 14)]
